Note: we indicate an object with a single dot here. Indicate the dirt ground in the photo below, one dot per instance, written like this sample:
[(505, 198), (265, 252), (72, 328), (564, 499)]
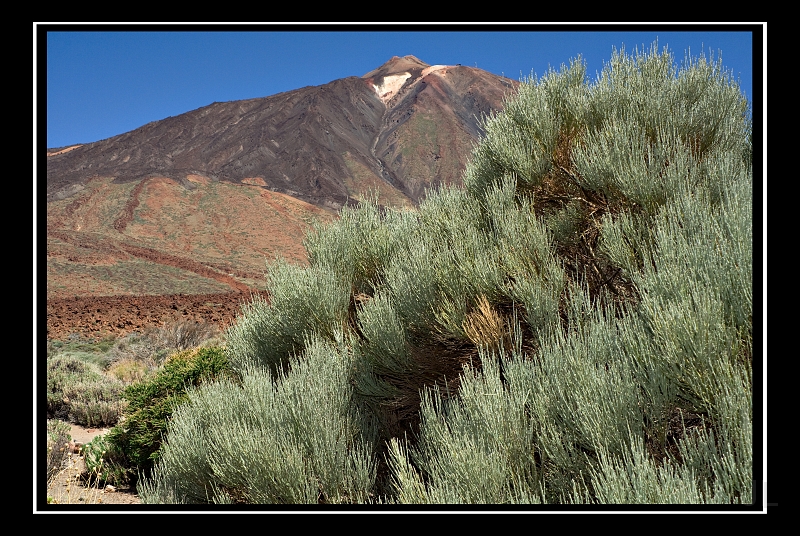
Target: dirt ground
[(69, 488)]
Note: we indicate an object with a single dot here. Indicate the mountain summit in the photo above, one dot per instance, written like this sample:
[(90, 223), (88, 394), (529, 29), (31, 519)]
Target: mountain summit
[(398, 65)]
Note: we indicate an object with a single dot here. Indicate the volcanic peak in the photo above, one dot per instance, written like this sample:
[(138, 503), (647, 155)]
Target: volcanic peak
[(389, 78), (397, 65)]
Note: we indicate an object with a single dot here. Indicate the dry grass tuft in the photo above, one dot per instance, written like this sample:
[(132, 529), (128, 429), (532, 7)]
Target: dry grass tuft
[(58, 439), (68, 484), (182, 334), (486, 328)]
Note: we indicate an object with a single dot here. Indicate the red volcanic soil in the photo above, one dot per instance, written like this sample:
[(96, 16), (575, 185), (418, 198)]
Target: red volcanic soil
[(119, 315)]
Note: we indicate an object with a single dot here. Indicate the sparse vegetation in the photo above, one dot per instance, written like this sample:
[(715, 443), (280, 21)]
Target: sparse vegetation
[(78, 390), (57, 447), (133, 381)]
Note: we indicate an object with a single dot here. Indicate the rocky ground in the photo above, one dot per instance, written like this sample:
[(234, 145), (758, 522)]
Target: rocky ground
[(119, 315)]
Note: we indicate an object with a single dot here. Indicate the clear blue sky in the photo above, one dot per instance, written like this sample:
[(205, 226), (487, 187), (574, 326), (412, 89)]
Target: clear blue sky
[(101, 81)]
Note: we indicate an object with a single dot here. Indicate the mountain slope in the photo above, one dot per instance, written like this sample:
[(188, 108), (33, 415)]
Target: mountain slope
[(322, 144), (431, 121), (197, 203)]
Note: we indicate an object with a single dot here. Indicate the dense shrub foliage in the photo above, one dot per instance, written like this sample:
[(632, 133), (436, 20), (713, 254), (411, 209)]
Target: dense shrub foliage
[(574, 325), (135, 441)]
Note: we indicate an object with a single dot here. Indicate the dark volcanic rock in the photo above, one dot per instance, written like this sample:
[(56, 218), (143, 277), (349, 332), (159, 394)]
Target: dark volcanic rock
[(398, 130)]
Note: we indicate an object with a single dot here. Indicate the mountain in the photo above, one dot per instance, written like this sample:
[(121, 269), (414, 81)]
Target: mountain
[(196, 203)]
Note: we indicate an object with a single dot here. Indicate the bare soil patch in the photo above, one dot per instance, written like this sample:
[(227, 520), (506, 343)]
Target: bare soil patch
[(71, 486)]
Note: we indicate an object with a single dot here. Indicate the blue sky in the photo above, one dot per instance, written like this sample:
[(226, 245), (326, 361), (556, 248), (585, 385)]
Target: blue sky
[(104, 80)]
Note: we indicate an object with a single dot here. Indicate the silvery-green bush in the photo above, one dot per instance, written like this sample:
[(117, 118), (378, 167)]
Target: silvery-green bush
[(573, 325), (294, 437)]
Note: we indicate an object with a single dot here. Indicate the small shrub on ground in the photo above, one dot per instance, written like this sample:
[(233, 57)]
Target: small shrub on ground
[(95, 402), (154, 345), (129, 370), (78, 390), (102, 465), (182, 334)]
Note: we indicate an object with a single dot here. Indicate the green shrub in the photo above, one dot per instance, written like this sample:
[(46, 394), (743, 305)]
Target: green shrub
[(574, 325), (294, 438), (653, 187), (102, 464), (357, 248), (302, 300), (135, 442)]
